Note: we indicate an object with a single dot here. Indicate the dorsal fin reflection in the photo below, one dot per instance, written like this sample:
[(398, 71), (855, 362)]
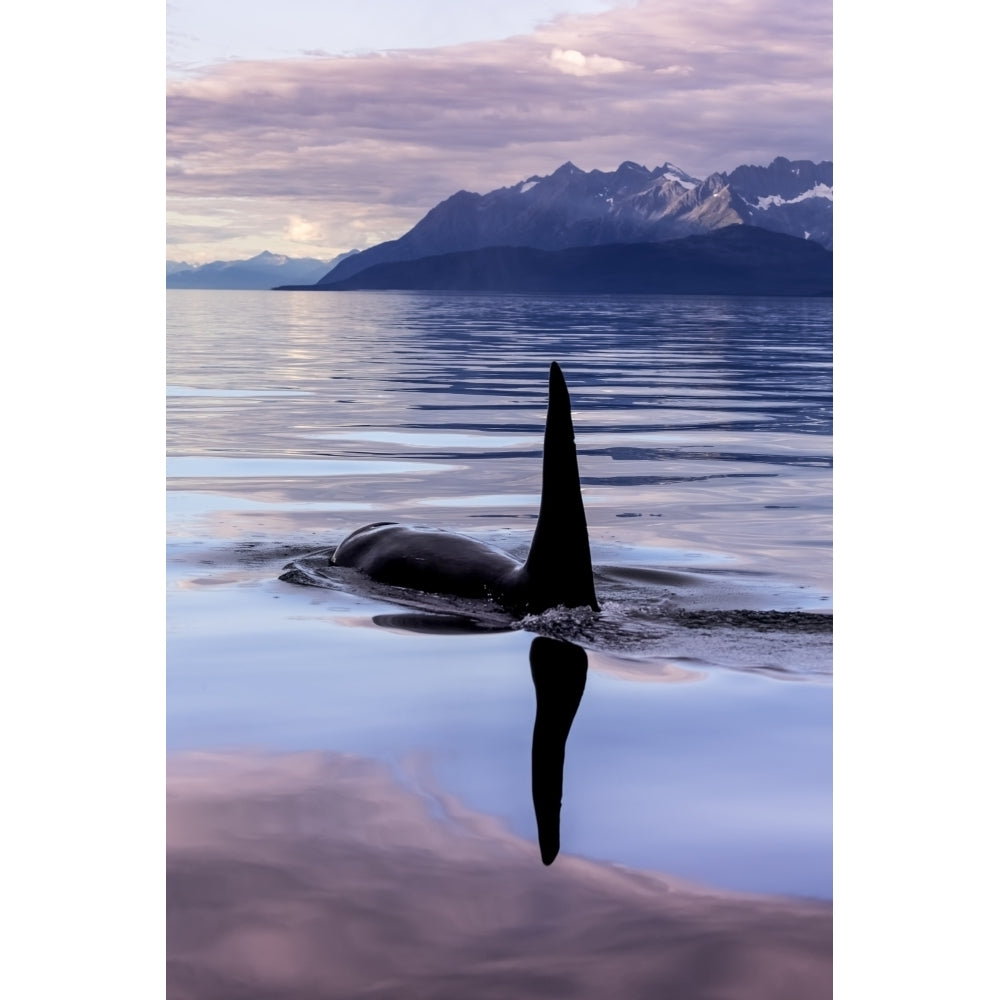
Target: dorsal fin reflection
[(559, 674)]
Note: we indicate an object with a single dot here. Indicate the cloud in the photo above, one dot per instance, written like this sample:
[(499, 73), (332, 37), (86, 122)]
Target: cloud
[(577, 64), (379, 139), (301, 230)]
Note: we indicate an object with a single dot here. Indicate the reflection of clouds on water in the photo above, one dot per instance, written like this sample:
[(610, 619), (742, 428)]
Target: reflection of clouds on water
[(704, 429), (493, 501), (205, 467), (437, 439), (175, 391), (320, 874), (341, 668), (644, 670)]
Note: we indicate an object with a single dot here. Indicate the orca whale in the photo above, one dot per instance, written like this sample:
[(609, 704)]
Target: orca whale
[(557, 572)]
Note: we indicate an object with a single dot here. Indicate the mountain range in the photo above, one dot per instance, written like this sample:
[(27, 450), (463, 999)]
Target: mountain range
[(574, 208), (263, 271), (735, 260)]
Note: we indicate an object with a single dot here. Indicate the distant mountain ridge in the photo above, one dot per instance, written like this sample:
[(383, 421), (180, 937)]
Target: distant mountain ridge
[(260, 272), (735, 260), (572, 208)]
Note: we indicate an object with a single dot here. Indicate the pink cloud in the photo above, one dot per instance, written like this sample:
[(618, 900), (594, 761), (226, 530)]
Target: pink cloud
[(706, 87)]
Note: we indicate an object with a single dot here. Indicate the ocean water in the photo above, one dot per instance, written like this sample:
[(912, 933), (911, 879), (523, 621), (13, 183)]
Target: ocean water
[(701, 747)]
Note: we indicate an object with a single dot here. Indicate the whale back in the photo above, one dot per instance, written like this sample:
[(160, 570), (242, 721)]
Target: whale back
[(558, 569), (557, 572)]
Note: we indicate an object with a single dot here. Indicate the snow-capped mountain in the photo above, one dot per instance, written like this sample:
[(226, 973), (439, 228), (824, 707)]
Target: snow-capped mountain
[(792, 197), (571, 207), (263, 271)]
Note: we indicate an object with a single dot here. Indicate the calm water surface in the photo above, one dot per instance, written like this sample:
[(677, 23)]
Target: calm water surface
[(701, 747)]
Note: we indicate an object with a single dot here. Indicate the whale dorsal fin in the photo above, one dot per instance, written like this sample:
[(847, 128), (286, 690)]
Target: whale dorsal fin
[(558, 566)]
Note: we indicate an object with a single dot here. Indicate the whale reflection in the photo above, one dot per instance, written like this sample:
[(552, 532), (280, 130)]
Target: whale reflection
[(559, 674), (428, 623)]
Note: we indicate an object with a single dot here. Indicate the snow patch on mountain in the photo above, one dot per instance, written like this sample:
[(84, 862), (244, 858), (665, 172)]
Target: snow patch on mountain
[(817, 191), (686, 183)]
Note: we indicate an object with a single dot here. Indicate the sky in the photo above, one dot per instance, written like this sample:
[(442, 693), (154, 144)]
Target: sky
[(314, 127)]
